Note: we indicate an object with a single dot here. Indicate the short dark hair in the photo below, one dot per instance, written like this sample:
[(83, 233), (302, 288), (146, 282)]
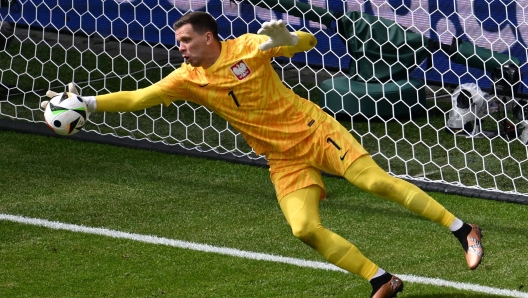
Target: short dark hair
[(200, 21)]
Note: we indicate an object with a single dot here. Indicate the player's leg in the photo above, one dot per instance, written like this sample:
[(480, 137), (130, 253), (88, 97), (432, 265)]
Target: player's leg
[(301, 209), (367, 175)]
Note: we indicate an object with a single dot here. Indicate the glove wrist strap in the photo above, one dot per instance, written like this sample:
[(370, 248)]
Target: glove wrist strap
[(91, 103), (295, 39)]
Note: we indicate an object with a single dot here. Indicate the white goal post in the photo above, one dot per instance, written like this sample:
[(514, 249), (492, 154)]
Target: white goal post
[(434, 90)]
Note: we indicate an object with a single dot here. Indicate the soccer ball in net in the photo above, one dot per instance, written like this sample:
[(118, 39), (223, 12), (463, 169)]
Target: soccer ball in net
[(65, 113)]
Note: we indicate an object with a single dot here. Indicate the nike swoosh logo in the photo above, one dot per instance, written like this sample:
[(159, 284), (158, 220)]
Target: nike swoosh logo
[(343, 157), (203, 85)]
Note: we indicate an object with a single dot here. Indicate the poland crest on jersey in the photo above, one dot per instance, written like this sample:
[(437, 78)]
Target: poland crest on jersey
[(241, 70)]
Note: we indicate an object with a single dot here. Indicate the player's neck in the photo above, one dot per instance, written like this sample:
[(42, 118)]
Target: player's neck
[(213, 55)]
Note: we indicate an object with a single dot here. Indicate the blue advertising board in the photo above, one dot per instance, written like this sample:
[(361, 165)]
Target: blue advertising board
[(499, 25)]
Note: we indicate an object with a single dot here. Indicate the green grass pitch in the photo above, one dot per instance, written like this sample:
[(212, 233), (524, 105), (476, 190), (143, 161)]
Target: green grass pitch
[(222, 205)]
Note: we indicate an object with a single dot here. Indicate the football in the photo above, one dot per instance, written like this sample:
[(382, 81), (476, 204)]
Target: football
[(65, 113)]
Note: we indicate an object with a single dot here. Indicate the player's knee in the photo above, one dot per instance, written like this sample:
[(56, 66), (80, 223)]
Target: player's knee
[(382, 187), (305, 231), (375, 181)]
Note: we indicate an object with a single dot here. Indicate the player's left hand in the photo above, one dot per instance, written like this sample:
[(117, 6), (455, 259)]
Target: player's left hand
[(278, 35)]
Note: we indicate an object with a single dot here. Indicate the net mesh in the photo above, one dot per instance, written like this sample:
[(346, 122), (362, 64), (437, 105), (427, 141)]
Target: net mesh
[(432, 89)]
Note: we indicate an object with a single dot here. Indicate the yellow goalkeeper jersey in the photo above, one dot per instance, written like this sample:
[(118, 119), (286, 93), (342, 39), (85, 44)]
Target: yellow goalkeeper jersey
[(244, 89)]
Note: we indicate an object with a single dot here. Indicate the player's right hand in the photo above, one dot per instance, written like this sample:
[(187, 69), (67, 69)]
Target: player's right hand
[(90, 101), (278, 35)]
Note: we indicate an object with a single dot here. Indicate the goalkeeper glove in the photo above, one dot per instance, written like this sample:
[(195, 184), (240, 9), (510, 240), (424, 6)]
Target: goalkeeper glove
[(278, 35), (91, 103)]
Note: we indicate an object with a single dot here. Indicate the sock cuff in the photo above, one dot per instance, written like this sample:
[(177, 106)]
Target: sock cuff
[(456, 224)]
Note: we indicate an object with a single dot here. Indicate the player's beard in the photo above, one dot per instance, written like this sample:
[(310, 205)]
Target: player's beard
[(191, 61)]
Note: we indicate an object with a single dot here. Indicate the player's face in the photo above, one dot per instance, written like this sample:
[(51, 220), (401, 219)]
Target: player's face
[(193, 46)]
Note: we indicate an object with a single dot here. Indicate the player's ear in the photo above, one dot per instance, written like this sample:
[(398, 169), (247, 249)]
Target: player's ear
[(209, 38)]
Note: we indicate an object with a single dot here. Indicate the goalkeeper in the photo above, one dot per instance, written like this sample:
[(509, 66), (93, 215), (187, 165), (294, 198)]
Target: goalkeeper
[(235, 79)]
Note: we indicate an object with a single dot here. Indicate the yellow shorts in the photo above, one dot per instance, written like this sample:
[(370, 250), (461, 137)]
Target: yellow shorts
[(331, 148)]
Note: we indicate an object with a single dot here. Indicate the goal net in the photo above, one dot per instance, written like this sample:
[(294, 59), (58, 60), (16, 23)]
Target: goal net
[(432, 89)]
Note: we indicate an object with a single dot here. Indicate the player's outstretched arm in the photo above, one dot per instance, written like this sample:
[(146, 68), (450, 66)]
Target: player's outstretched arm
[(122, 101), (278, 35), (306, 42)]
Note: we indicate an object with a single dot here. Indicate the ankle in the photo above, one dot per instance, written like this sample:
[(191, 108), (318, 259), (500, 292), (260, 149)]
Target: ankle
[(379, 281), (461, 234)]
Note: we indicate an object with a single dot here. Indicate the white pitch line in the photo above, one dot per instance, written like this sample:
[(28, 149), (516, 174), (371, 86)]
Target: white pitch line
[(248, 254)]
